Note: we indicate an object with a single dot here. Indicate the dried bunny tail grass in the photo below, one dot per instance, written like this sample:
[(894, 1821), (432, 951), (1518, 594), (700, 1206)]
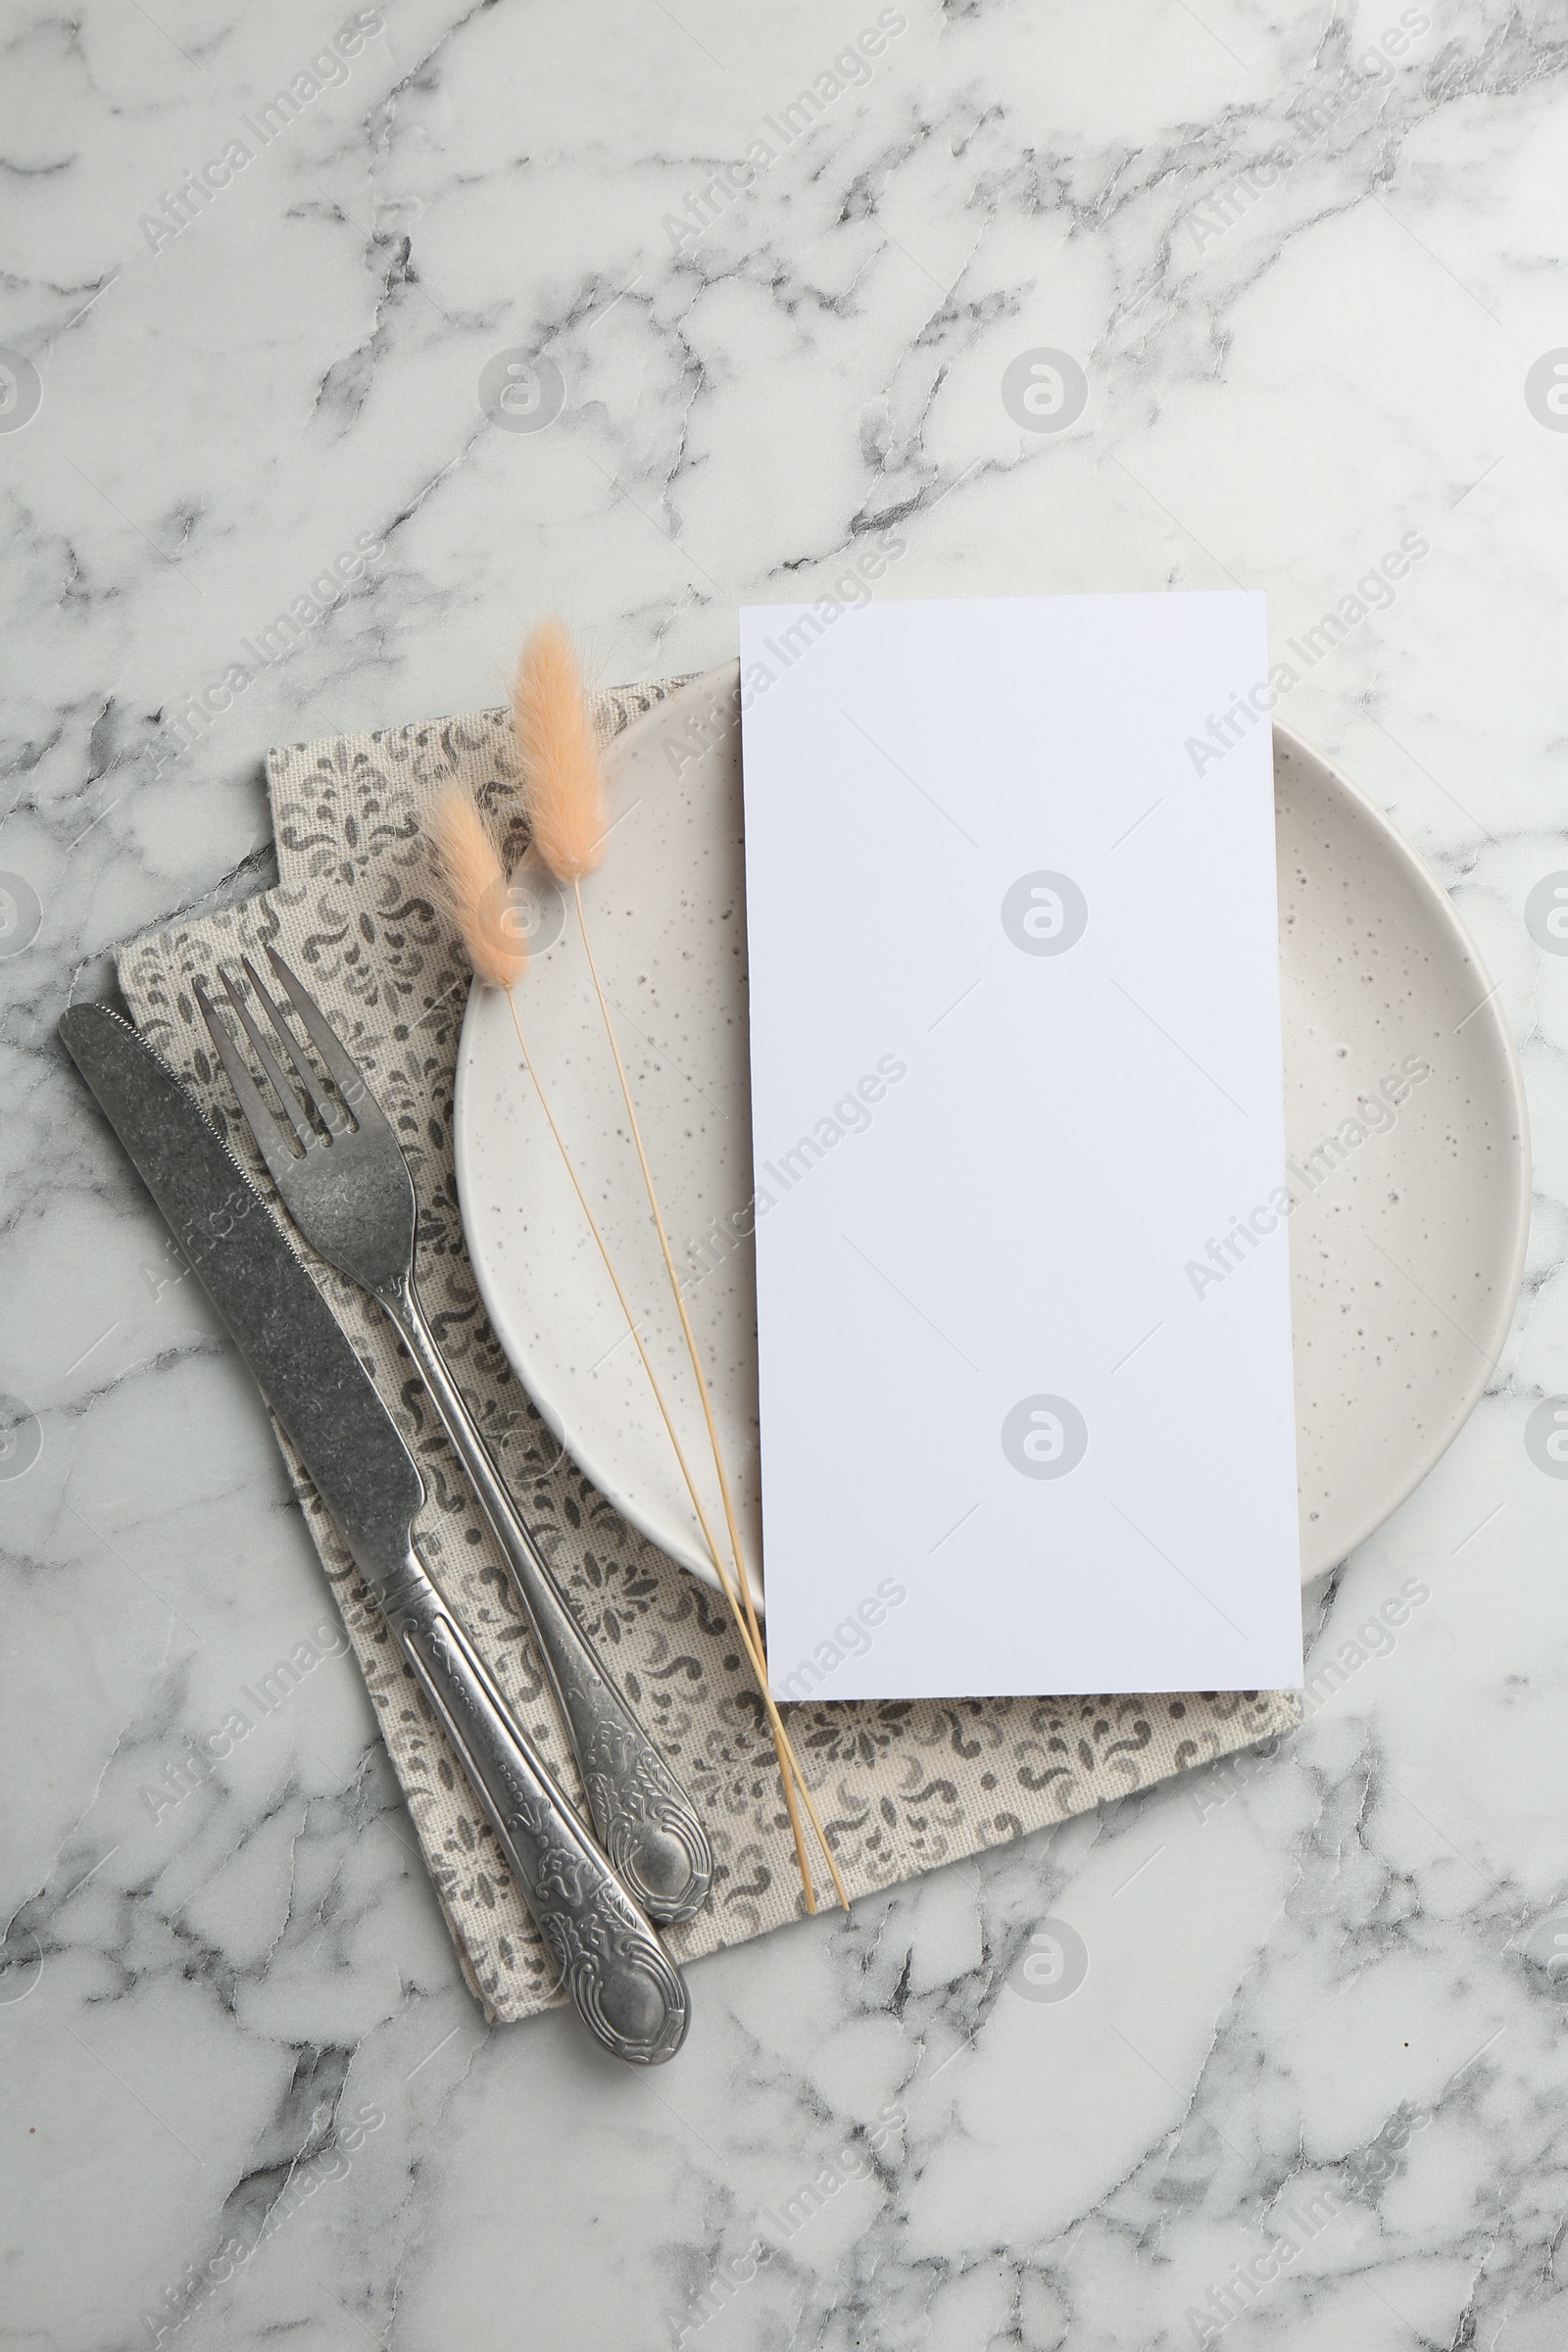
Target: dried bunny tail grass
[(562, 775), (471, 885), (569, 820)]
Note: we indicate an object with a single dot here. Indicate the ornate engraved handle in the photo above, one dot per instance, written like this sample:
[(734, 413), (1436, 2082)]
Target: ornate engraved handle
[(625, 1987), (646, 1822)]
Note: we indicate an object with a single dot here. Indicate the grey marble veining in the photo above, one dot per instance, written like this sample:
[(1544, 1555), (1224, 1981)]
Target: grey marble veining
[(1310, 266)]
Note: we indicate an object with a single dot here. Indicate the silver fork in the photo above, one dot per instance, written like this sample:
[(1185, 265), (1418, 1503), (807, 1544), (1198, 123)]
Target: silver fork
[(347, 1188)]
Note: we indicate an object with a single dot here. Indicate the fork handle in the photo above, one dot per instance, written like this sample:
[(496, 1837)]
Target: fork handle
[(622, 1983), (646, 1822)]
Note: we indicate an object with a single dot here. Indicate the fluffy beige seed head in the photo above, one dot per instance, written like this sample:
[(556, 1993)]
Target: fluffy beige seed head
[(562, 776), (471, 885)]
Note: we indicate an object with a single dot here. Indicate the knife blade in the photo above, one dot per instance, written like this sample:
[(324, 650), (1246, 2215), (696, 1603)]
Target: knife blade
[(621, 1980)]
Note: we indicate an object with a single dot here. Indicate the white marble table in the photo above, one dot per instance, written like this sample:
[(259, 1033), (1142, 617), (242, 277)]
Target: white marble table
[(1306, 263)]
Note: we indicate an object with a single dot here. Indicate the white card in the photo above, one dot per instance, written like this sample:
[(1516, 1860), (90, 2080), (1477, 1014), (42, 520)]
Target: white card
[(1017, 1099)]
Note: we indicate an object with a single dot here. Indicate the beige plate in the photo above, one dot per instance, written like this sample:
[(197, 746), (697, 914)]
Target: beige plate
[(1406, 1249)]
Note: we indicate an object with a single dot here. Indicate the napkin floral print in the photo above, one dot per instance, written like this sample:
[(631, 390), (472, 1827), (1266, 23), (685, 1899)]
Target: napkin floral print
[(901, 1787)]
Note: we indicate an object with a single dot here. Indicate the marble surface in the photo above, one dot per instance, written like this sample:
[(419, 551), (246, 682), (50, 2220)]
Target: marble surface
[(1289, 2068)]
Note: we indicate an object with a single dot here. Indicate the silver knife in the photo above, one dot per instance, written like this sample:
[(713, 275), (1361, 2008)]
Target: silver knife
[(625, 1985)]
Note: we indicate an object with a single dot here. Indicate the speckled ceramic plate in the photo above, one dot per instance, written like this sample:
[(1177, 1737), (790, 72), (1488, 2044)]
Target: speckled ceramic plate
[(1404, 1113)]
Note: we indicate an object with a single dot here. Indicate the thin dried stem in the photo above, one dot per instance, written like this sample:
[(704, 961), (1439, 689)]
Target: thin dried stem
[(789, 1767), (697, 1366)]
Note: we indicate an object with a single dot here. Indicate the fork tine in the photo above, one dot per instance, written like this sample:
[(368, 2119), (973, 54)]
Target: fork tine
[(271, 1140), (264, 1055), (325, 1109), (350, 1078)]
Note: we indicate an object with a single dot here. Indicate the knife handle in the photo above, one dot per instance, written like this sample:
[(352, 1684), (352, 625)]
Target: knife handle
[(646, 1822), (623, 1985)]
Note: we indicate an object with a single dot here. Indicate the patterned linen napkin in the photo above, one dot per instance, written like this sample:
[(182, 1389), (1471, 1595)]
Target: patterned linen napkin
[(900, 1785)]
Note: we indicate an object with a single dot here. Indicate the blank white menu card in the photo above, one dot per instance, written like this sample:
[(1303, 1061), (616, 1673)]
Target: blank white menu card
[(1022, 1263)]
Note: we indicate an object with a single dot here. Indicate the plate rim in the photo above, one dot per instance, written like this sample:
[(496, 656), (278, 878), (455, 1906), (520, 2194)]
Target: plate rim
[(1519, 1204)]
